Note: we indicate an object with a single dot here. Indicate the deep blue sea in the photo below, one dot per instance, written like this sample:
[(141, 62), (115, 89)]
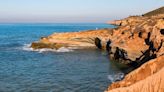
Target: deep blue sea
[(24, 70)]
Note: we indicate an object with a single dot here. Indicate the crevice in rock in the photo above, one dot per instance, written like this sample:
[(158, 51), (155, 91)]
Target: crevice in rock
[(147, 39), (98, 43), (162, 31), (149, 53), (160, 45), (108, 47), (121, 55), (140, 34)]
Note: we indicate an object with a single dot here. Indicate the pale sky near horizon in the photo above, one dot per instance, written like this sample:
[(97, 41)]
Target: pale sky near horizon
[(63, 11)]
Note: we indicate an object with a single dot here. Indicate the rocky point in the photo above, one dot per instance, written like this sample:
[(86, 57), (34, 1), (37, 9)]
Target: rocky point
[(137, 41)]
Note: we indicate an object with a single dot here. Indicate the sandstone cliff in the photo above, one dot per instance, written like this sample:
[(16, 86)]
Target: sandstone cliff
[(137, 40), (147, 78), (83, 39), (141, 41)]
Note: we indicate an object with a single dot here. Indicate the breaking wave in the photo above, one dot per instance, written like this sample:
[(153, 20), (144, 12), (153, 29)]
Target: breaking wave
[(27, 47), (116, 77)]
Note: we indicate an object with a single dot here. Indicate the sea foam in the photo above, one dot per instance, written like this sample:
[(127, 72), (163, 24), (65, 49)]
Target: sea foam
[(117, 77), (27, 47)]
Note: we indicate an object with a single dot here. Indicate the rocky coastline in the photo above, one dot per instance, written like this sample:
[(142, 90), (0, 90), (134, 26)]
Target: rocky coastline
[(144, 50), (137, 41)]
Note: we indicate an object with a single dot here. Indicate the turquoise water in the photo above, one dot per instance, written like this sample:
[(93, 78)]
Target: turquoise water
[(24, 70)]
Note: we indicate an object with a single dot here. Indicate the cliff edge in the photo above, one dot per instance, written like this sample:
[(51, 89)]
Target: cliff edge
[(144, 50), (147, 78), (138, 41)]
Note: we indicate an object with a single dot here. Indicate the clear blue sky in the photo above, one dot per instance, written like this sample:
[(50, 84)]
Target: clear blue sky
[(73, 10)]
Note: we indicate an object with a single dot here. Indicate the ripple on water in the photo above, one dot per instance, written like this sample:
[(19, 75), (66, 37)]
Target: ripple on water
[(23, 69)]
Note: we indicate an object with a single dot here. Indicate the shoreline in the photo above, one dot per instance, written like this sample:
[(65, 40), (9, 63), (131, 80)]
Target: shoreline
[(136, 41)]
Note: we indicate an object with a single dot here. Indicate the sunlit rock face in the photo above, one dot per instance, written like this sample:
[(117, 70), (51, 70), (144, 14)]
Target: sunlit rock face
[(138, 41), (134, 42), (147, 78), (90, 38)]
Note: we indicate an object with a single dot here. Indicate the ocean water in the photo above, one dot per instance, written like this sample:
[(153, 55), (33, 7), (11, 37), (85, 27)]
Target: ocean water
[(64, 70)]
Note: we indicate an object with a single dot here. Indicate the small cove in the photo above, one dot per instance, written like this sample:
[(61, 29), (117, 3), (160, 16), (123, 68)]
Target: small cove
[(84, 70)]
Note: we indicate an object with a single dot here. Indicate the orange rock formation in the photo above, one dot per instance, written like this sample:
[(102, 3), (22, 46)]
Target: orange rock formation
[(147, 78), (138, 40), (73, 39), (146, 44)]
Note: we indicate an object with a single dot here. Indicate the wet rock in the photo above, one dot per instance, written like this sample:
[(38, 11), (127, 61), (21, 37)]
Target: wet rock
[(44, 45)]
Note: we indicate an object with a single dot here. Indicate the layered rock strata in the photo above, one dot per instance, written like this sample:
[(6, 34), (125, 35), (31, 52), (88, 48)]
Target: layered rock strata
[(84, 39), (136, 40), (145, 44), (147, 78)]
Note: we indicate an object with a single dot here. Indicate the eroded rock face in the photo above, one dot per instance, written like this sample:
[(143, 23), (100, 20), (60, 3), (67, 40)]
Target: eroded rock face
[(147, 78), (138, 40), (153, 83), (162, 31), (90, 38), (98, 43)]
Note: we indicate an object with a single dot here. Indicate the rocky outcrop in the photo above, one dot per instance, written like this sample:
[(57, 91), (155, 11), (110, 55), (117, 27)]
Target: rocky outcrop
[(147, 78), (138, 41), (153, 83), (126, 21), (84, 39)]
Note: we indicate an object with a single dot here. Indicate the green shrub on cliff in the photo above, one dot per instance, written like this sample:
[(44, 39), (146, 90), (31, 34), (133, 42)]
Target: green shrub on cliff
[(155, 12)]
